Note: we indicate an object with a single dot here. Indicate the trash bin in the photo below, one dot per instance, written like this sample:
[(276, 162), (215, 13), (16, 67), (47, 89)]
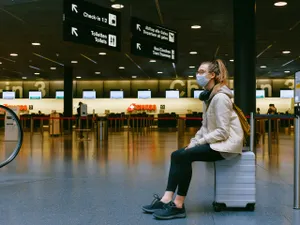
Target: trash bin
[(102, 129)]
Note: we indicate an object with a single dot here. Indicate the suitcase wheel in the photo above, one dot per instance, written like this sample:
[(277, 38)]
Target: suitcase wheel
[(218, 207), (250, 207)]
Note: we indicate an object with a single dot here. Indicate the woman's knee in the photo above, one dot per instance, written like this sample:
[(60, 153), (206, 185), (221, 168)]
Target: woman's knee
[(178, 155)]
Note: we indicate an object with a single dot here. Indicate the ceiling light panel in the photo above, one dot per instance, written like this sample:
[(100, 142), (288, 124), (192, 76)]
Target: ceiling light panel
[(196, 27), (280, 3), (117, 6), (286, 52)]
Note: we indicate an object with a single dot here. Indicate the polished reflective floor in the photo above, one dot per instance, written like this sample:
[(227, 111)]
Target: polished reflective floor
[(63, 180)]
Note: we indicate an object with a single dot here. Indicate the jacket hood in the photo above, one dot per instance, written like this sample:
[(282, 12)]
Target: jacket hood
[(220, 89)]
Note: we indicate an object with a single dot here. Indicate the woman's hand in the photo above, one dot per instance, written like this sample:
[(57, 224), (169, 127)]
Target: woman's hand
[(191, 145)]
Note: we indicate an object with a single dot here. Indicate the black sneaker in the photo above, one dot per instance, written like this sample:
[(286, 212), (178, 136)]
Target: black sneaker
[(170, 211), (155, 205)]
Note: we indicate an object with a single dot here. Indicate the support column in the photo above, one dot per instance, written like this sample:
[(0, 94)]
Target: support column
[(68, 97), (244, 55)]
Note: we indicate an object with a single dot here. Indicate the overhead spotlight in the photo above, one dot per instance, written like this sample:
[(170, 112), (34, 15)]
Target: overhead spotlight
[(117, 6), (191, 76), (192, 67), (13, 54), (36, 44), (231, 60), (280, 3), (102, 53), (193, 53), (134, 77), (78, 77), (287, 71), (74, 62), (196, 27), (97, 73), (121, 67), (24, 78), (286, 52), (263, 67), (152, 61), (159, 72), (52, 68), (0, 63), (36, 73)]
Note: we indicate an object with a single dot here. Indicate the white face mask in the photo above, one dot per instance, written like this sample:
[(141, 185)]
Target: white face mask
[(202, 80)]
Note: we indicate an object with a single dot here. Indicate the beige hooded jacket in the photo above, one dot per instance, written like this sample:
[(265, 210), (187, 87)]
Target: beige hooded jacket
[(221, 127)]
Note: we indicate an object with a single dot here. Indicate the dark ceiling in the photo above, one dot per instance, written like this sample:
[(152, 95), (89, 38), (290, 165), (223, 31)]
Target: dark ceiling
[(25, 21)]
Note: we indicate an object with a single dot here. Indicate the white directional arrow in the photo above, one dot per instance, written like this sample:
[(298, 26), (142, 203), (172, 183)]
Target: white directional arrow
[(138, 46), (74, 8), (74, 31), (138, 27)]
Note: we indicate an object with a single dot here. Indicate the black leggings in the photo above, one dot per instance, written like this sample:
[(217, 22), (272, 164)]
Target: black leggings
[(181, 166)]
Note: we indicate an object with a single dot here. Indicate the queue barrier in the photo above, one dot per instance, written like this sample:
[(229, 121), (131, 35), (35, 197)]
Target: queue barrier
[(38, 123)]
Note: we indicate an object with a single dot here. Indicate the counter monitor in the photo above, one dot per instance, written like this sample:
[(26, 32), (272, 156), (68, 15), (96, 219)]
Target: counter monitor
[(8, 95), (286, 93), (144, 94), (35, 95), (89, 94), (172, 93), (59, 94), (117, 94), (197, 93)]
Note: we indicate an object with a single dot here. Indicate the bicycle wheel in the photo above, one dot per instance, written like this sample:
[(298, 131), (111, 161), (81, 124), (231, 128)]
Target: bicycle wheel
[(11, 135)]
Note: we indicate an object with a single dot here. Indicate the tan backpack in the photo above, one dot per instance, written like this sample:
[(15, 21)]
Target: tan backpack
[(244, 122)]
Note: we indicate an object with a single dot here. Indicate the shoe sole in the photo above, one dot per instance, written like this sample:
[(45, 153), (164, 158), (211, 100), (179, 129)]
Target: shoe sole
[(182, 215), (149, 210)]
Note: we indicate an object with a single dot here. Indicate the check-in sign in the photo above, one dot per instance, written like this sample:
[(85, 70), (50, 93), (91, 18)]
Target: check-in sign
[(92, 14), (90, 24)]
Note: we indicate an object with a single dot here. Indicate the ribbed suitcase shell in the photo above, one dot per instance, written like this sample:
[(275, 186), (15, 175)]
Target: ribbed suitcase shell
[(235, 183)]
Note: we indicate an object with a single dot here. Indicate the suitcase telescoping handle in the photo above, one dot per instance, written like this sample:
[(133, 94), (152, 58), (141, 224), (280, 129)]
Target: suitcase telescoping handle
[(252, 131)]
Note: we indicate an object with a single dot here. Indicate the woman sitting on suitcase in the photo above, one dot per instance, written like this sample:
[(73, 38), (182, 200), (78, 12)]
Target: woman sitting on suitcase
[(220, 137)]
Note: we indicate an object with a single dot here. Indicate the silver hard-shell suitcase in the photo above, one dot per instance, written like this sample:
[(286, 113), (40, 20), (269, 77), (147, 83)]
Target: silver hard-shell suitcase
[(235, 184), (235, 179)]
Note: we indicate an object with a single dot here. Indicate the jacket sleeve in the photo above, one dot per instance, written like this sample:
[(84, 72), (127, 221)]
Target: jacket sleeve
[(222, 107), (198, 136)]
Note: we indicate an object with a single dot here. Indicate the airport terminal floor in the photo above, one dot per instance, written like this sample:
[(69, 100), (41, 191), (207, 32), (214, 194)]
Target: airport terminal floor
[(65, 180)]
